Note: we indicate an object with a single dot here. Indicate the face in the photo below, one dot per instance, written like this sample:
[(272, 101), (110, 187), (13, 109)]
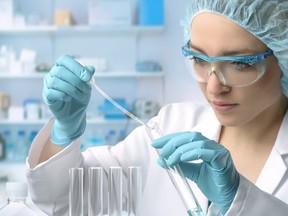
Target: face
[(214, 35)]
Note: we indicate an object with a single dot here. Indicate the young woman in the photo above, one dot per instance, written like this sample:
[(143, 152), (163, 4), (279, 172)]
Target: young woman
[(238, 52)]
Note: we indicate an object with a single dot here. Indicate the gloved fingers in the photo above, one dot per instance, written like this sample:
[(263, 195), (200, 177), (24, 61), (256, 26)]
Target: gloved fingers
[(68, 77), (207, 150), (160, 162), (84, 73), (191, 170), (215, 158), (192, 148), (91, 71), (192, 138), (175, 156), (51, 96), (180, 137), (174, 143), (160, 142), (58, 89)]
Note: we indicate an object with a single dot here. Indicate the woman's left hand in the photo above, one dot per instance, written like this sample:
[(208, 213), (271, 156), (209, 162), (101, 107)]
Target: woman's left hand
[(216, 175)]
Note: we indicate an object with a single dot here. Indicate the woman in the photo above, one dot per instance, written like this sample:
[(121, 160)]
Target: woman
[(237, 51)]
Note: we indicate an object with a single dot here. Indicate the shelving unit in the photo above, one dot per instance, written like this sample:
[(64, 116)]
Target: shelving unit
[(120, 45), (111, 74), (58, 30), (55, 41)]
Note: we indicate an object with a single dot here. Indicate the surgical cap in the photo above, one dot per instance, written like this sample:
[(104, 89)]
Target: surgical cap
[(267, 20)]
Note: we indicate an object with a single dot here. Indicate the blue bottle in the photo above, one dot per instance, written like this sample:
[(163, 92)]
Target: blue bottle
[(10, 148), (151, 12), (21, 146)]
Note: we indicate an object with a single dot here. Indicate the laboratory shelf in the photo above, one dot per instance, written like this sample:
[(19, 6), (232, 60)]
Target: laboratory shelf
[(22, 76), (22, 122), (64, 30), (112, 74), (102, 121)]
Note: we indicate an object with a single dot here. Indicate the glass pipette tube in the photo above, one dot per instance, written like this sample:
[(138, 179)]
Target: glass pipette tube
[(176, 175), (131, 115)]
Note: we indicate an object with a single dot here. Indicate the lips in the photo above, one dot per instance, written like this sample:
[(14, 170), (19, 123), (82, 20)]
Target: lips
[(222, 106)]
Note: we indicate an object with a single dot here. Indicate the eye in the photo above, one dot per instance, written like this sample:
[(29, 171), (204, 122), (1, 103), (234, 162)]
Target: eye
[(198, 60), (240, 65)]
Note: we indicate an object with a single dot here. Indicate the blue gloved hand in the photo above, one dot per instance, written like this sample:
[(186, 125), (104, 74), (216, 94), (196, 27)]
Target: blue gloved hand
[(67, 94), (216, 176)]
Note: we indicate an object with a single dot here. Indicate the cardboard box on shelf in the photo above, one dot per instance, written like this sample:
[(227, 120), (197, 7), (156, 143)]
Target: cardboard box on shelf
[(63, 18)]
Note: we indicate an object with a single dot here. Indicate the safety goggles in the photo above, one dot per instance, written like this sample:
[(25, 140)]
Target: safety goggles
[(234, 71)]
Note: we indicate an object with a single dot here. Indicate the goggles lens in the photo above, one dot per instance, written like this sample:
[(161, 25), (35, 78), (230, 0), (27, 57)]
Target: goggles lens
[(234, 71)]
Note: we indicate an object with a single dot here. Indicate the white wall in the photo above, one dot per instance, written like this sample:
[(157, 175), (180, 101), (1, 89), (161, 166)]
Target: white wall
[(180, 85)]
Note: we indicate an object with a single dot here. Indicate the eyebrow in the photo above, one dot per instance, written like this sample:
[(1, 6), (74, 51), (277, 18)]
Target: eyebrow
[(227, 52)]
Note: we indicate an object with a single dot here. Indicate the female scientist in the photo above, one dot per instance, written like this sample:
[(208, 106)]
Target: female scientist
[(238, 53)]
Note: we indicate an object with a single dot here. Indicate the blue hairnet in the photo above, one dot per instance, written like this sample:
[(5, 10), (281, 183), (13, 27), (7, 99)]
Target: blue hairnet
[(266, 20)]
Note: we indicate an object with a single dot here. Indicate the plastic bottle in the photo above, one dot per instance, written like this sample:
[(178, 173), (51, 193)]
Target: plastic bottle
[(31, 137), (2, 148), (9, 145), (16, 205), (111, 138), (21, 149), (4, 59)]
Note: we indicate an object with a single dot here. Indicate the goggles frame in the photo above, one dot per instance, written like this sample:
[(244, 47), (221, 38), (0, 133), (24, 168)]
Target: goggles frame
[(246, 59)]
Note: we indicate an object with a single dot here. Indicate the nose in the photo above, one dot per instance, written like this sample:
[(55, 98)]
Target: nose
[(214, 83)]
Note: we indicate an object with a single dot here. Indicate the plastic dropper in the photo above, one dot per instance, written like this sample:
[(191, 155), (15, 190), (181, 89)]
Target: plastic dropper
[(175, 173)]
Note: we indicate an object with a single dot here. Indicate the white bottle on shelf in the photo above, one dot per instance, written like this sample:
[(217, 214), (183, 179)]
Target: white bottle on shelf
[(16, 205), (4, 59)]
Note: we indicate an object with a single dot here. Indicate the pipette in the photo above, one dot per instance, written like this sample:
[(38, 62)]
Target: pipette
[(175, 173)]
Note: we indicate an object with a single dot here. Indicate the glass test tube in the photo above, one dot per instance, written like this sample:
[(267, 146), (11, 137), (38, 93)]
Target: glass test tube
[(115, 191), (95, 191), (134, 191), (76, 191), (177, 177)]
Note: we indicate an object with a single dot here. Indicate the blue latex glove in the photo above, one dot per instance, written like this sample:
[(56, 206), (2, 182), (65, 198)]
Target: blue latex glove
[(216, 176), (67, 94)]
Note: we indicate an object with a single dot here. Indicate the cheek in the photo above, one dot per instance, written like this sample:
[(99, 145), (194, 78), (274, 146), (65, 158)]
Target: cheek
[(203, 88), (268, 89), (270, 83)]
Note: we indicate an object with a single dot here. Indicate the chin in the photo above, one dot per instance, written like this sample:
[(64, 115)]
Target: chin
[(230, 120)]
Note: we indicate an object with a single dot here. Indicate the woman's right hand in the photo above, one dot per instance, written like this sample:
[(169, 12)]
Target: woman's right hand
[(67, 93)]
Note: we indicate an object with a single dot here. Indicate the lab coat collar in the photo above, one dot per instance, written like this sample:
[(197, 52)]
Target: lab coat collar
[(275, 167)]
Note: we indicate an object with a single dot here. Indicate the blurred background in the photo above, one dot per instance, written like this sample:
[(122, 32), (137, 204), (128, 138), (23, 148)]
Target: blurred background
[(135, 46)]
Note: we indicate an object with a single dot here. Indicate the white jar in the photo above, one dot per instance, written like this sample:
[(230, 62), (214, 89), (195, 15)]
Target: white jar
[(32, 109)]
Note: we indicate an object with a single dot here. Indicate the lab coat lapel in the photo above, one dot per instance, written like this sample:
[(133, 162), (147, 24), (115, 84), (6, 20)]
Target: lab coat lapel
[(272, 172), (275, 167)]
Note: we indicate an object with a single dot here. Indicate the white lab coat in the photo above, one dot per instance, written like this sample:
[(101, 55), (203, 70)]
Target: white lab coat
[(48, 181)]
